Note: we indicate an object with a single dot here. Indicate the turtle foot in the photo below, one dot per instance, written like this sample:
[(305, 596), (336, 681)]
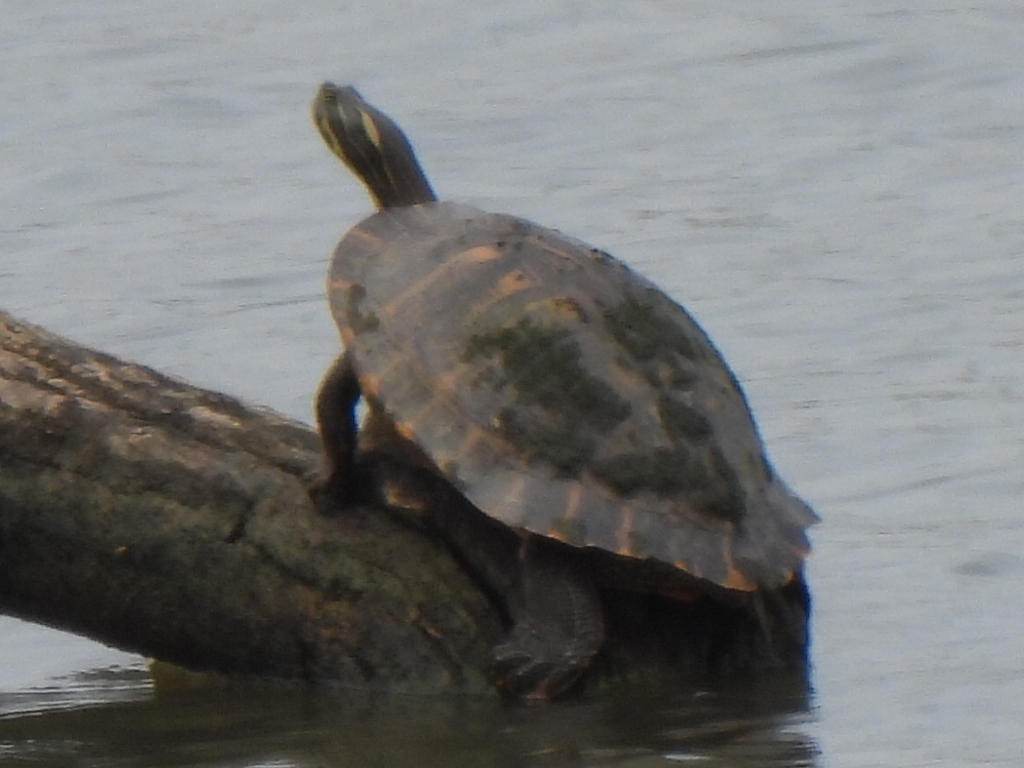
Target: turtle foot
[(558, 625), (332, 492), (324, 493)]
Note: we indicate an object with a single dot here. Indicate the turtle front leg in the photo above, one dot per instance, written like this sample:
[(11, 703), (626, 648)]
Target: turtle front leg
[(336, 422), (558, 625)]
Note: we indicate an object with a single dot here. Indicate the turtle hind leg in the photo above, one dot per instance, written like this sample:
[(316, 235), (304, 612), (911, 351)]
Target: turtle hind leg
[(337, 484), (558, 625)]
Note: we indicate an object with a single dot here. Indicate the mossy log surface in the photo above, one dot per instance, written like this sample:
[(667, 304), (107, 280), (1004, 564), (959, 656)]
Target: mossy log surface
[(175, 522)]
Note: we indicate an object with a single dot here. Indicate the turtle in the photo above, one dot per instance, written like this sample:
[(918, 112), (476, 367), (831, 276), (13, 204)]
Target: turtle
[(519, 380)]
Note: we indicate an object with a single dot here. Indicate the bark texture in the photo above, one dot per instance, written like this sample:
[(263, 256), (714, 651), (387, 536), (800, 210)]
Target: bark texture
[(175, 522)]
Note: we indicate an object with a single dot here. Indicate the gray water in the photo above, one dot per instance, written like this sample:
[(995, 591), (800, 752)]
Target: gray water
[(836, 190)]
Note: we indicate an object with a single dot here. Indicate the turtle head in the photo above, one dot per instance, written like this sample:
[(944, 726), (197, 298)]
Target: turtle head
[(372, 146)]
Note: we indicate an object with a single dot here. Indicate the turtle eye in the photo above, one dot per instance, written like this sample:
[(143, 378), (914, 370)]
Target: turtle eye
[(329, 93)]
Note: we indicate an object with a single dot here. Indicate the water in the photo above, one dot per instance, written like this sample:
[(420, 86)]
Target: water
[(834, 189)]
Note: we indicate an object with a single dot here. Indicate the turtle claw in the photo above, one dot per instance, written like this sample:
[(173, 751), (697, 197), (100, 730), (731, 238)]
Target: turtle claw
[(324, 494), (527, 667), (332, 491)]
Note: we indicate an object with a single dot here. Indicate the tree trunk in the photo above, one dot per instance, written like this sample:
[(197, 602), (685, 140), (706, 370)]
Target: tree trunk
[(175, 522)]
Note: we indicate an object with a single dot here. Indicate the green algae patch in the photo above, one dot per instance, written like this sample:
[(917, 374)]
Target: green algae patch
[(645, 333), (558, 442), (664, 471), (703, 476), (682, 421), (558, 408), (358, 320), (544, 367)]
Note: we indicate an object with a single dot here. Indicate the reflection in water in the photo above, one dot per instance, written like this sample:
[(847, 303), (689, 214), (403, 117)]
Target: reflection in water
[(269, 726)]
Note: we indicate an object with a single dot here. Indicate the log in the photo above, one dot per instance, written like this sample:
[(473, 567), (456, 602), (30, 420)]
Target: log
[(175, 522)]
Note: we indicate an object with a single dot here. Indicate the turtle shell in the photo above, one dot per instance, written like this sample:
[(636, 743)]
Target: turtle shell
[(562, 393)]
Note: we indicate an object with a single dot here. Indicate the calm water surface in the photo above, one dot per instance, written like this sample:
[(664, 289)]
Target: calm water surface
[(835, 189)]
